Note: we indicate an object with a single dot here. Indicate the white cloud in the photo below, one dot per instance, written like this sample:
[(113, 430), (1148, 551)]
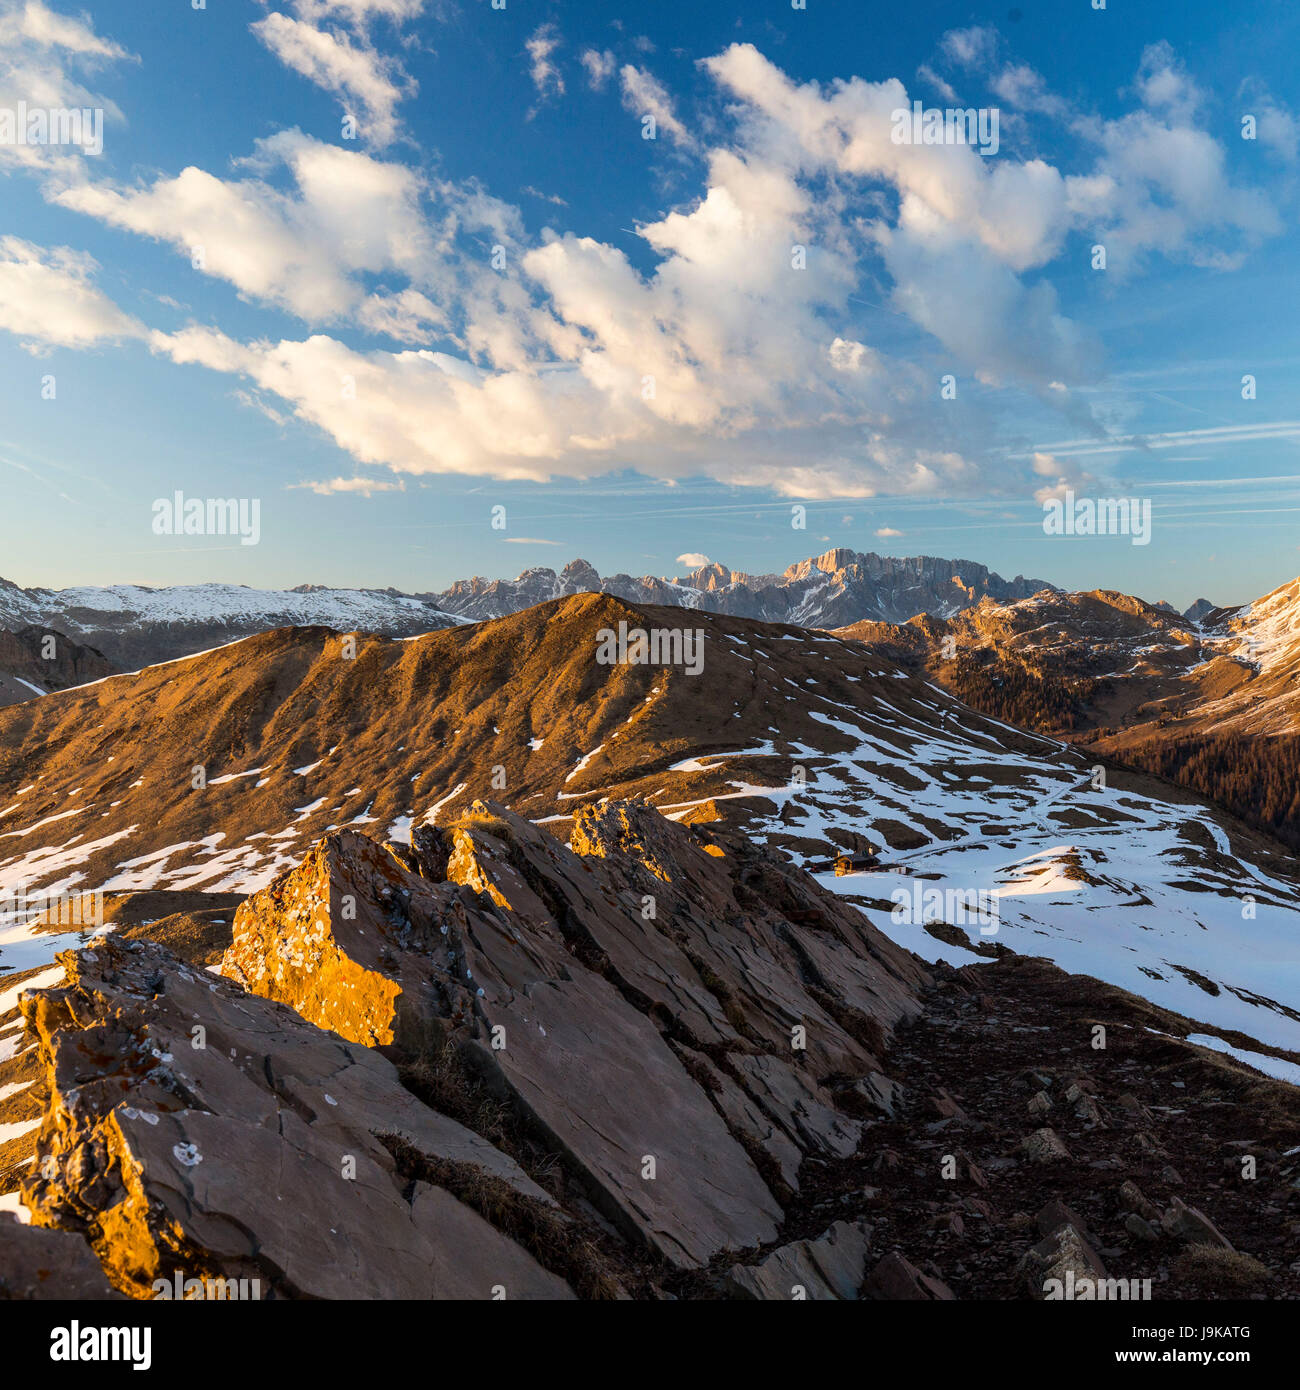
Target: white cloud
[(45, 58), (884, 531), (552, 198), (36, 22), (48, 299), (715, 349), (370, 86), (694, 559), (406, 315), (1065, 475), (1277, 127), (359, 11), (308, 251), (941, 84), (542, 44), (599, 64), (1161, 185), (644, 95), (992, 322), (1280, 131), (1019, 85), (529, 540), (970, 48), (363, 486), (966, 226), (1164, 85)]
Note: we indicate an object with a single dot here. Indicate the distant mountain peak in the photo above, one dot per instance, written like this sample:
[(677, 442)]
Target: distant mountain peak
[(134, 625), (838, 587)]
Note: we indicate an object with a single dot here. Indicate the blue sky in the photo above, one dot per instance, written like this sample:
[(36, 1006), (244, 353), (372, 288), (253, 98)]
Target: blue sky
[(241, 298)]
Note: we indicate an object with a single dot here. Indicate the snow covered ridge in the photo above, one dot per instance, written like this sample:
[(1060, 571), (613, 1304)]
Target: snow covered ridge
[(1149, 895), (135, 626), (1268, 631), (833, 589), (810, 742), (207, 603)]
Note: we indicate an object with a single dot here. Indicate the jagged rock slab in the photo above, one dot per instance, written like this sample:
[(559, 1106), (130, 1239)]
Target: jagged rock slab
[(592, 1073), (783, 950), (327, 939), (531, 874), (1192, 1226), (40, 1264), (544, 967), (253, 1155), (754, 1128), (830, 1267)]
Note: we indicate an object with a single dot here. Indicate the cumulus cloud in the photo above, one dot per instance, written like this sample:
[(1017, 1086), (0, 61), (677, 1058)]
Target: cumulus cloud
[(1065, 475), (729, 344), (48, 298), (966, 227), (369, 85), (694, 560), (46, 59), (310, 250), (1161, 182), (1164, 84), (884, 531)]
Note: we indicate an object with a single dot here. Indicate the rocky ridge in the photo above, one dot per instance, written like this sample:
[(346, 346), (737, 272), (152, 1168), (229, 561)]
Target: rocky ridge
[(1208, 700), (37, 660), (657, 1062), (135, 626), (482, 1041), (839, 586)]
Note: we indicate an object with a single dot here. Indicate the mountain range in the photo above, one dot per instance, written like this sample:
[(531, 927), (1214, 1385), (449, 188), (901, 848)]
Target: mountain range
[(554, 953), (828, 590), (1212, 704), (813, 744), (803, 912), (132, 626)]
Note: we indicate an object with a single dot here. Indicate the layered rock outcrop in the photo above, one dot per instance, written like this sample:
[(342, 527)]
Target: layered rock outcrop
[(662, 1022), (193, 1127), (664, 1018)]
